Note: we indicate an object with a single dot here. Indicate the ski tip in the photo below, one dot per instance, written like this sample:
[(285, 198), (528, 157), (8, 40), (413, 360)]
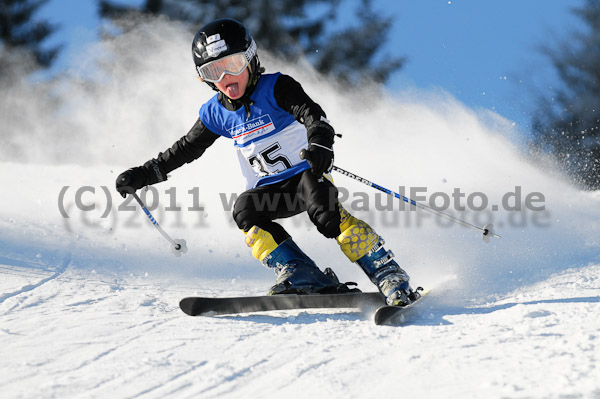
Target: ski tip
[(396, 315), (186, 305)]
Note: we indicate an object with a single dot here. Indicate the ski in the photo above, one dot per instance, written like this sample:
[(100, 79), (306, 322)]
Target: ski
[(209, 306), (395, 315)]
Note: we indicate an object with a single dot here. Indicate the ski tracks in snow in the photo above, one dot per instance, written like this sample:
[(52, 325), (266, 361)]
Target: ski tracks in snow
[(30, 271), (87, 334), (66, 326)]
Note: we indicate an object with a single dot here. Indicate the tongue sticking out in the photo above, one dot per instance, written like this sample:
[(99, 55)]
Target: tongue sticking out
[(233, 91)]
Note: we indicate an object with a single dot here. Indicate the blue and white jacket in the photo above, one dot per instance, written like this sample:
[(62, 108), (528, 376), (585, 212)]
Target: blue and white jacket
[(269, 126)]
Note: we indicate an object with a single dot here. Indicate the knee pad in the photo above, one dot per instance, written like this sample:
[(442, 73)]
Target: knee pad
[(261, 242), (357, 238)]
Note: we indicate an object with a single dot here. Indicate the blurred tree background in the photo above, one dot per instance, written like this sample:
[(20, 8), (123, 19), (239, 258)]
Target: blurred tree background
[(567, 124), (22, 37), (290, 29), (23, 51)]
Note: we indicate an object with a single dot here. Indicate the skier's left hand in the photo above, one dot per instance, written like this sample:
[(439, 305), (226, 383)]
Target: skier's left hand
[(320, 158), (320, 147)]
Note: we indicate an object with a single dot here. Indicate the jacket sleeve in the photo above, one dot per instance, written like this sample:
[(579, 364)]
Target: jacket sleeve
[(185, 150), (291, 97)]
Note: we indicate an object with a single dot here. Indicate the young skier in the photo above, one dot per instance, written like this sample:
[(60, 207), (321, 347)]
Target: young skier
[(271, 120)]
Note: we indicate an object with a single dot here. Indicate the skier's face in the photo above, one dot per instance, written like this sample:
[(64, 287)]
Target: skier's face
[(232, 86)]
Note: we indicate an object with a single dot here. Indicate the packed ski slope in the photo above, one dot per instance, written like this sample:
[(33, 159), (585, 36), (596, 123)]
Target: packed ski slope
[(89, 290), (99, 334)]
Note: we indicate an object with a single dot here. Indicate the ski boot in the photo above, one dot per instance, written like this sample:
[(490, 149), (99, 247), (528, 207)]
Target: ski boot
[(297, 273), (387, 275), (362, 245)]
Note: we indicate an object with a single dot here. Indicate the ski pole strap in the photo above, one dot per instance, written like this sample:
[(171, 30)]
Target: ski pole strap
[(486, 230)]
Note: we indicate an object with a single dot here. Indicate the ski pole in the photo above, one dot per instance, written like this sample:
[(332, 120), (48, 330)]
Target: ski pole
[(487, 230), (178, 246)]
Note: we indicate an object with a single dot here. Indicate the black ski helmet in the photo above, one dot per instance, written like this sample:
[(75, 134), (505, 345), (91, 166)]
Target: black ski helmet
[(221, 38)]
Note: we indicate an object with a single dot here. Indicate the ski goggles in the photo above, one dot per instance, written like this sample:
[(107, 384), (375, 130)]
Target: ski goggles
[(233, 64)]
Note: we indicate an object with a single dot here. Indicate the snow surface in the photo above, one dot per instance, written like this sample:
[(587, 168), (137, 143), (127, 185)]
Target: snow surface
[(89, 302)]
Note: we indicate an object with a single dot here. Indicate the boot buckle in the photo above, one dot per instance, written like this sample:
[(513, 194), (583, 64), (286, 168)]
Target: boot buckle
[(385, 259), (376, 247)]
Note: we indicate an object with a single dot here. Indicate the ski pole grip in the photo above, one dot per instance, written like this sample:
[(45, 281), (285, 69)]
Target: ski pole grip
[(304, 154)]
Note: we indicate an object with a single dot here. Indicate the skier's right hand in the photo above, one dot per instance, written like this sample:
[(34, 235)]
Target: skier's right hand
[(131, 180)]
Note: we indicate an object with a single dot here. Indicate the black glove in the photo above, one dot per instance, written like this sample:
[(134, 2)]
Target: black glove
[(320, 147), (131, 180), (320, 159), (135, 178)]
